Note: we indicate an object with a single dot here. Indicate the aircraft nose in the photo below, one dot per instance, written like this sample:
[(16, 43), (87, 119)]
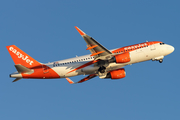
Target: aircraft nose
[(170, 48)]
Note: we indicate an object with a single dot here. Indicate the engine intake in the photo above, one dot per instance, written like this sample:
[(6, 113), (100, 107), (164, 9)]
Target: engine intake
[(116, 74)]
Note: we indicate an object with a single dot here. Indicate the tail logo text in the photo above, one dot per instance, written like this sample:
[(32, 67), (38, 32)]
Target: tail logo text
[(20, 55)]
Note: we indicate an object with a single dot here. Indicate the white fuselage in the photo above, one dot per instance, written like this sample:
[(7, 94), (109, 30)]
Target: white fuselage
[(79, 65)]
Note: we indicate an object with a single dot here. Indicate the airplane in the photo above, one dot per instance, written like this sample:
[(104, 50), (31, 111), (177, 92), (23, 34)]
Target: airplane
[(101, 62)]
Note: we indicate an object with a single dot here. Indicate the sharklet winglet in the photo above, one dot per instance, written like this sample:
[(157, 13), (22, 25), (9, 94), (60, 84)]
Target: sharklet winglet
[(80, 31), (70, 81)]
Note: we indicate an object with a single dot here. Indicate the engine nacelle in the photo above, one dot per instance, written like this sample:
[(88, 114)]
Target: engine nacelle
[(116, 74), (121, 58)]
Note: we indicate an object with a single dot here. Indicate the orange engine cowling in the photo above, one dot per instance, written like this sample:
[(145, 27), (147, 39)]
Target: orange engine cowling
[(122, 58), (116, 74)]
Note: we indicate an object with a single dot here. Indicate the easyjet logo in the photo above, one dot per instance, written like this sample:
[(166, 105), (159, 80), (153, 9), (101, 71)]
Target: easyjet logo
[(21, 56), (135, 46)]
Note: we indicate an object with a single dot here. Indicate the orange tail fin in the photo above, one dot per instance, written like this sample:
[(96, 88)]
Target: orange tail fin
[(20, 57)]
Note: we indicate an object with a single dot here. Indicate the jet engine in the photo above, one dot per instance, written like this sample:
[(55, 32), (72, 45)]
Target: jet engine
[(116, 74), (121, 58)]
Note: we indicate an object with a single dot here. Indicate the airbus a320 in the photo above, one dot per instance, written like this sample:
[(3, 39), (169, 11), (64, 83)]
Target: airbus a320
[(101, 62)]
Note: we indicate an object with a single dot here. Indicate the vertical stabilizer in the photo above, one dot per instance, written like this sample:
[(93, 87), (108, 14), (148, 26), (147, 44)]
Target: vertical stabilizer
[(20, 57)]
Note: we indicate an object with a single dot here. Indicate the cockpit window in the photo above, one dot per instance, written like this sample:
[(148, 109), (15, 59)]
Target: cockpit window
[(161, 43)]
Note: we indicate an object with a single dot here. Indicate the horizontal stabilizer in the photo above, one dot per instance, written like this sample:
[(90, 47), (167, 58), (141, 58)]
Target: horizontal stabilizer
[(16, 79), (20, 68)]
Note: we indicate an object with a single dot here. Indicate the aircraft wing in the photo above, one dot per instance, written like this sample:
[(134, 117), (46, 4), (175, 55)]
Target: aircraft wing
[(83, 80), (96, 49)]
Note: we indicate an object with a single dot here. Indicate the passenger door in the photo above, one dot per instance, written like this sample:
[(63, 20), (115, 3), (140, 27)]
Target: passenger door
[(152, 47)]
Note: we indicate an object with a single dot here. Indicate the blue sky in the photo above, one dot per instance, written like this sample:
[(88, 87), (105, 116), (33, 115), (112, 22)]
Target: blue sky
[(45, 30)]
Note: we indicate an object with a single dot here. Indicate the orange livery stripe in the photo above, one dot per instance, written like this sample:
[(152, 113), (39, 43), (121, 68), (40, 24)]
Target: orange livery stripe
[(83, 66)]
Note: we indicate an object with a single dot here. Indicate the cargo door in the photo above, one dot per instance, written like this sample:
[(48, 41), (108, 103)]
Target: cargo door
[(45, 68)]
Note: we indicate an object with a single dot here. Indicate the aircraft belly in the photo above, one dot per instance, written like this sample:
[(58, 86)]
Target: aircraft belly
[(114, 66), (90, 69)]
